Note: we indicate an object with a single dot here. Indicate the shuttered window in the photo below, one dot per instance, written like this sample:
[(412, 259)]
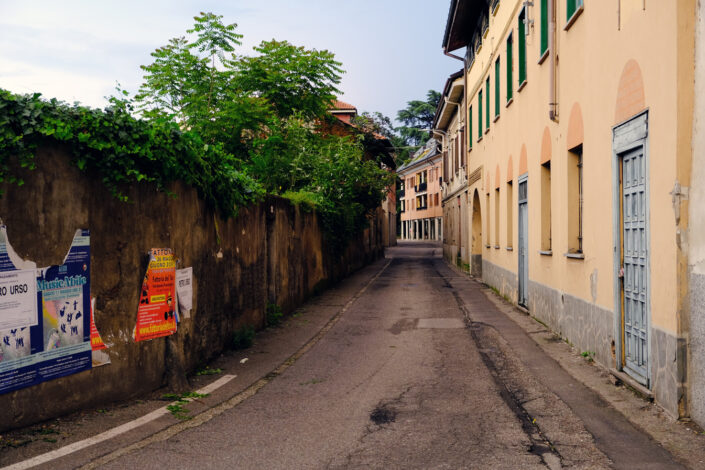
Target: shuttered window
[(496, 87), (510, 65), (487, 109), (470, 128), (571, 7), (479, 115), (522, 46), (544, 27)]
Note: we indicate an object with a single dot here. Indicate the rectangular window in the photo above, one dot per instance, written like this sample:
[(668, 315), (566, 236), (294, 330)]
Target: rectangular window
[(575, 200), (487, 109), (470, 128), (487, 209), (510, 219), (479, 115), (522, 46), (546, 207), (571, 7), (496, 88), (510, 66), (544, 27), (461, 148)]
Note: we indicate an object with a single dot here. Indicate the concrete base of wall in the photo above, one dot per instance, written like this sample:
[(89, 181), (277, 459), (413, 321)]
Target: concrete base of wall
[(503, 280), (476, 265), (697, 347), (668, 365)]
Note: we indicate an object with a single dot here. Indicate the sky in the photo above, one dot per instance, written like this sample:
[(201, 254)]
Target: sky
[(77, 50)]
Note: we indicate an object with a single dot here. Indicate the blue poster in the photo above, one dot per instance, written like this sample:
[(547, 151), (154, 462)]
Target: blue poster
[(56, 341)]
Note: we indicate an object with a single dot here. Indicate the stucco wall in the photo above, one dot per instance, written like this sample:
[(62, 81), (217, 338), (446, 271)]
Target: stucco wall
[(271, 252)]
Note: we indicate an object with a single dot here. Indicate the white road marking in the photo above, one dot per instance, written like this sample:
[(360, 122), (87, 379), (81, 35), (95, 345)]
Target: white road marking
[(76, 446)]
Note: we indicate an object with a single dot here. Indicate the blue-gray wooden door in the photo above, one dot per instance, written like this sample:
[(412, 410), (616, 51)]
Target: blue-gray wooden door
[(635, 207), (523, 273)]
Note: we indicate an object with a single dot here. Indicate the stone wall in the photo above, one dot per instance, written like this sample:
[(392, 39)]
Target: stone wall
[(271, 252)]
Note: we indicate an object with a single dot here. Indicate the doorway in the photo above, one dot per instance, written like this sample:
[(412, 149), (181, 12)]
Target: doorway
[(523, 252)]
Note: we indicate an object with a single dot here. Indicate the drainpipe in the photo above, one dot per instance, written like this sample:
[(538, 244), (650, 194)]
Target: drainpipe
[(552, 105)]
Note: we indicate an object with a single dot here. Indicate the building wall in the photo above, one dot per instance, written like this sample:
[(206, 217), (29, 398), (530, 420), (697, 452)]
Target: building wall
[(598, 85), (434, 171), (696, 238)]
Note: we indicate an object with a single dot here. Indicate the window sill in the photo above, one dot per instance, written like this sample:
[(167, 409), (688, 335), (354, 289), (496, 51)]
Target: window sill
[(574, 255), (509, 101), (543, 57), (546, 253), (509, 248), (487, 131), (521, 87), (572, 19), (479, 139), (496, 118), (496, 247), (488, 246)]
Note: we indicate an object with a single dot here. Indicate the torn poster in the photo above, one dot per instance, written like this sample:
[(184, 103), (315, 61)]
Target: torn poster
[(59, 343), (156, 314), (184, 290), (99, 354)]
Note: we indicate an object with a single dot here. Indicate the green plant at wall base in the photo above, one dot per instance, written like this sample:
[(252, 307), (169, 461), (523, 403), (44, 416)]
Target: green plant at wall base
[(243, 337), (208, 371), (588, 355), (177, 409), (274, 315)]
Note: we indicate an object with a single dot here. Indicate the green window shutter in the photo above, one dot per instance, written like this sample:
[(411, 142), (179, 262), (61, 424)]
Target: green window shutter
[(496, 87), (487, 109), (470, 127), (510, 64), (522, 47), (544, 26), (479, 115), (570, 9)]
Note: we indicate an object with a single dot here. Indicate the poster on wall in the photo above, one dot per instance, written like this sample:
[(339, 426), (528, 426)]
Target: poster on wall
[(156, 314), (184, 291), (99, 353), (55, 341)]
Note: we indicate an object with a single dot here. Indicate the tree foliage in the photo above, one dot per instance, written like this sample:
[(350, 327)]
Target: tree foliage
[(417, 118)]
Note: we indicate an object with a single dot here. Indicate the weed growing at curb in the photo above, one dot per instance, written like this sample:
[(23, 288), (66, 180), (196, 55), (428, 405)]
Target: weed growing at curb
[(177, 408), (208, 371), (274, 314), (588, 355), (244, 337)]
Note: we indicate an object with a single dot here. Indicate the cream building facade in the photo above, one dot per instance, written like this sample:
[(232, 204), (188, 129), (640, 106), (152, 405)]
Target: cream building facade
[(579, 124), (419, 195)]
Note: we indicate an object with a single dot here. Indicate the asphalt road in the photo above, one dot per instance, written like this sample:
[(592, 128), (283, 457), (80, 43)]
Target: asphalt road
[(404, 379)]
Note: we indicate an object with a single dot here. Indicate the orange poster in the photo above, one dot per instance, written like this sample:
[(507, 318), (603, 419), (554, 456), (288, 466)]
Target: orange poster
[(156, 313)]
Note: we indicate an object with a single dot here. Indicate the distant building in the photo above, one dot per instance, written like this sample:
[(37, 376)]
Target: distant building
[(579, 141), (419, 194)]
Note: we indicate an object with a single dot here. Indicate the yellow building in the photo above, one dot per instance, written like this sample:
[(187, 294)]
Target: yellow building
[(579, 122), (419, 194)]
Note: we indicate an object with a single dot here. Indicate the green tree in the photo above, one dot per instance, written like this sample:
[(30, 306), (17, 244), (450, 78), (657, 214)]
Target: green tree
[(292, 79), (417, 118)]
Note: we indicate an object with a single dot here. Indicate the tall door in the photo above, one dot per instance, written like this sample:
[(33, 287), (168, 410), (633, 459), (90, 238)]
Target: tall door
[(635, 206), (523, 273)]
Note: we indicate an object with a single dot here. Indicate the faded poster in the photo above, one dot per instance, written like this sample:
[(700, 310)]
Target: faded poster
[(156, 314)]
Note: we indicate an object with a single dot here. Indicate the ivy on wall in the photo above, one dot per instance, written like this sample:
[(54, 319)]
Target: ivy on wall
[(121, 149)]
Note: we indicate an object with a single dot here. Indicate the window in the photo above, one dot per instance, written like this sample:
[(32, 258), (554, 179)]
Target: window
[(461, 148), (572, 6), (479, 115), (510, 66), (496, 218), (575, 200), (544, 28), (522, 47), (436, 197), (487, 109), (487, 209), (496, 88), (510, 220), (546, 208), (470, 128), (403, 205)]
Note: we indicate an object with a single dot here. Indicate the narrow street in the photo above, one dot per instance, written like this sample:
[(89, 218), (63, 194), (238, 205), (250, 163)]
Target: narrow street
[(413, 375)]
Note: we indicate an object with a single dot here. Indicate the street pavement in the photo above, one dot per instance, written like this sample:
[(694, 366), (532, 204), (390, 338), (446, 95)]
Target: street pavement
[(409, 363), (404, 379)]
